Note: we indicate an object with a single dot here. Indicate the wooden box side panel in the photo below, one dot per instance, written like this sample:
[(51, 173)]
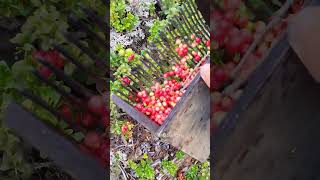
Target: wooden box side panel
[(188, 129), (277, 138), (49, 141), (135, 114)]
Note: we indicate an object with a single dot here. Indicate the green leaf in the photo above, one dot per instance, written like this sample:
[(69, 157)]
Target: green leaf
[(63, 124), (36, 3), (27, 104), (5, 163), (132, 165), (170, 167), (5, 76), (145, 156), (68, 132), (179, 154), (69, 68), (78, 136)]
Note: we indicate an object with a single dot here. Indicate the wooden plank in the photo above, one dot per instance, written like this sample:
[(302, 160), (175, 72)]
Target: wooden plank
[(277, 137), (255, 83), (62, 151), (135, 114), (188, 128)]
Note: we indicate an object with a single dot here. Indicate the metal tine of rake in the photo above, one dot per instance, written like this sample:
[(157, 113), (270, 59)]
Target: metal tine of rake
[(198, 19), (139, 73), (189, 25), (160, 63), (81, 25), (165, 39), (192, 14), (75, 62), (74, 85), (188, 30), (156, 70), (166, 60), (129, 89), (123, 96), (173, 35), (141, 70), (161, 42), (163, 55), (185, 33), (135, 82), (140, 77), (86, 50), (147, 65), (43, 104), (95, 18), (198, 14), (61, 91)]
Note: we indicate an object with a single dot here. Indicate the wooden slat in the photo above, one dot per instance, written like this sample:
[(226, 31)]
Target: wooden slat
[(57, 147), (277, 137), (135, 114), (187, 127)]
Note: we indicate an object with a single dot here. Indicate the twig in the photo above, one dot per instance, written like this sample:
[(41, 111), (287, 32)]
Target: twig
[(123, 172), (129, 145), (42, 165), (277, 17)]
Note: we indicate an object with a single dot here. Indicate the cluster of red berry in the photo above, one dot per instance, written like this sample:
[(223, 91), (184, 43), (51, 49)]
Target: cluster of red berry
[(233, 35), (53, 57), (158, 103), (161, 98), (96, 113)]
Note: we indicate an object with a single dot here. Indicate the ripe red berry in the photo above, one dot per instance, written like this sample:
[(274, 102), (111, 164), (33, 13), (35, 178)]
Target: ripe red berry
[(124, 128), (87, 120), (197, 58), (66, 111), (45, 72), (96, 104), (131, 57), (208, 43), (198, 40), (126, 81), (92, 140)]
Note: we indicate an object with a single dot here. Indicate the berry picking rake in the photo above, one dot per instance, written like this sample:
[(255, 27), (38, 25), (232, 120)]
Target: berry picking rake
[(188, 121), (76, 160)]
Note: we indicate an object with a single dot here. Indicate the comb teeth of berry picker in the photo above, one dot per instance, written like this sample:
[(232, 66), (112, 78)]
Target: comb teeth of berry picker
[(76, 117), (160, 54), (80, 93)]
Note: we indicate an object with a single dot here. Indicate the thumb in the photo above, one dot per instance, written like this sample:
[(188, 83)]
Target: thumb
[(205, 74)]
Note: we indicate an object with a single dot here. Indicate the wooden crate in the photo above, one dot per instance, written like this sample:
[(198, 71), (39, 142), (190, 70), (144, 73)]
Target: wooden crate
[(188, 121)]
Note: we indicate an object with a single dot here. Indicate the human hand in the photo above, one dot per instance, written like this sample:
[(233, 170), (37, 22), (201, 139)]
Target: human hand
[(205, 73)]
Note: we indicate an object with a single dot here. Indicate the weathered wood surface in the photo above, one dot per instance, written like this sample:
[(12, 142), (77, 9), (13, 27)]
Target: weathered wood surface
[(57, 147), (188, 129), (277, 137)]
